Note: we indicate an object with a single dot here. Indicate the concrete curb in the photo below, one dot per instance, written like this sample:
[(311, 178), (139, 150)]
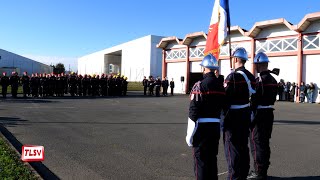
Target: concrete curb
[(37, 175)]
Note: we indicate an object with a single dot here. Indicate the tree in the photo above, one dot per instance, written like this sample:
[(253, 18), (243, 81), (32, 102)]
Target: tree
[(59, 68)]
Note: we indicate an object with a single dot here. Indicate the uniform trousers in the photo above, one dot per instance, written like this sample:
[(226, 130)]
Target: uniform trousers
[(235, 136), (205, 150), (260, 140)]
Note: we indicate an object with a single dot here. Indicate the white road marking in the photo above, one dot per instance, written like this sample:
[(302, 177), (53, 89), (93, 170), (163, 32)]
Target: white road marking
[(45, 107)]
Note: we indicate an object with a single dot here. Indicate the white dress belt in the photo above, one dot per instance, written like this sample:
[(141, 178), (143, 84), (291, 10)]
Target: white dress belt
[(264, 107), (239, 106), (204, 120)]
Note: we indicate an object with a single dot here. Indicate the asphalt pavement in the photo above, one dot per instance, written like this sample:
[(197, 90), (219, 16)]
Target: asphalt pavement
[(137, 137)]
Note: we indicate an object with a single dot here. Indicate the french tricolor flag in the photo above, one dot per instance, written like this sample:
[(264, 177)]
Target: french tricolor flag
[(218, 30)]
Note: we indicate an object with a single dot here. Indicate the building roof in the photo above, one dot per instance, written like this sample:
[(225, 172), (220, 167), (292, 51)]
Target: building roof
[(306, 21), (258, 26), (190, 37), (239, 29), (165, 41)]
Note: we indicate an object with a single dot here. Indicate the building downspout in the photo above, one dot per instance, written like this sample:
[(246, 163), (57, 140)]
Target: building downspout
[(164, 64), (187, 71), (253, 49), (300, 65)]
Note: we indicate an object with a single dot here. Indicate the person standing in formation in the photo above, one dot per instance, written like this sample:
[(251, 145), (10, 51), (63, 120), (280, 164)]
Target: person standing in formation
[(145, 85), (203, 132), (240, 85), (261, 127)]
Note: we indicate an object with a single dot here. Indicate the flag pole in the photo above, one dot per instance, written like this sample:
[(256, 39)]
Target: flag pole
[(229, 32), (230, 47)]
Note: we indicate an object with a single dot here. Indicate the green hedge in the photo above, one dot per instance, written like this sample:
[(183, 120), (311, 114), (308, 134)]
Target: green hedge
[(11, 167), (132, 86), (135, 86)]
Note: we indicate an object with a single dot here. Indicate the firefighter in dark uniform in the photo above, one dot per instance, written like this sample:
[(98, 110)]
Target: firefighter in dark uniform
[(203, 132), (124, 86), (52, 84), (85, 84), (151, 85), (240, 84), (145, 85), (72, 84), (165, 85), (103, 84), (171, 86), (157, 84), (4, 83), (79, 84), (14, 81), (261, 127), (25, 80), (94, 85)]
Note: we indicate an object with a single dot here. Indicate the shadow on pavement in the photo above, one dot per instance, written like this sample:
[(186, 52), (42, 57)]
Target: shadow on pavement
[(93, 122), (296, 178), (293, 122), (11, 121), (26, 100), (42, 170)]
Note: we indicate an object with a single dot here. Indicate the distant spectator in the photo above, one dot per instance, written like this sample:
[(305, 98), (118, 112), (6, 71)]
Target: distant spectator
[(280, 90), (287, 91), (310, 91), (302, 89), (172, 86), (293, 92)]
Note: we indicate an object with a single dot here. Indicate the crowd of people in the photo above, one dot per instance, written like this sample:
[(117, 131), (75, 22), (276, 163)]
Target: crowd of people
[(288, 91), (151, 84), (46, 85)]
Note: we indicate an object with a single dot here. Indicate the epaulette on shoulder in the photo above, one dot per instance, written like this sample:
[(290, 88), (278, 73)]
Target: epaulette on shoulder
[(196, 88), (195, 91)]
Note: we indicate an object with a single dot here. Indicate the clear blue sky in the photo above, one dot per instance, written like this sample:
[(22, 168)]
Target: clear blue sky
[(73, 28)]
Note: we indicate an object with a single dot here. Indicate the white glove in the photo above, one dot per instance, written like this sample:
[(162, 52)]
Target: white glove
[(192, 128)]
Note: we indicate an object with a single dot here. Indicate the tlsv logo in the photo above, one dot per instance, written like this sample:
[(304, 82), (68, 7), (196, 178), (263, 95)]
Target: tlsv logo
[(32, 153)]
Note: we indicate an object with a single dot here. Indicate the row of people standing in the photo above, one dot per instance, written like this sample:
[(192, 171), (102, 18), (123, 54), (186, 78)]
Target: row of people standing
[(289, 91), (150, 84), (241, 109), (307, 91), (44, 85)]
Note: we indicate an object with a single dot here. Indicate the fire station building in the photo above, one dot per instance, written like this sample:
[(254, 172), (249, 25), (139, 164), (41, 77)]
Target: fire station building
[(295, 49)]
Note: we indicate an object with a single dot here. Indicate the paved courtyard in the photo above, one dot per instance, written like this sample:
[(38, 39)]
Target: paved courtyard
[(138, 137)]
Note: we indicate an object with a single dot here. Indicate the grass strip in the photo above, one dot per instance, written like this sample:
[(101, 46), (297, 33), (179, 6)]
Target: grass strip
[(11, 167)]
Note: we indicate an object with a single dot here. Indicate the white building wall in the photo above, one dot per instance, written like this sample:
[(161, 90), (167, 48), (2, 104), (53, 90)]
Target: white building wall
[(225, 67), (175, 71), (311, 64), (22, 64), (91, 64), (195, 67), (288, 67), (138, 58), (276, 30)]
